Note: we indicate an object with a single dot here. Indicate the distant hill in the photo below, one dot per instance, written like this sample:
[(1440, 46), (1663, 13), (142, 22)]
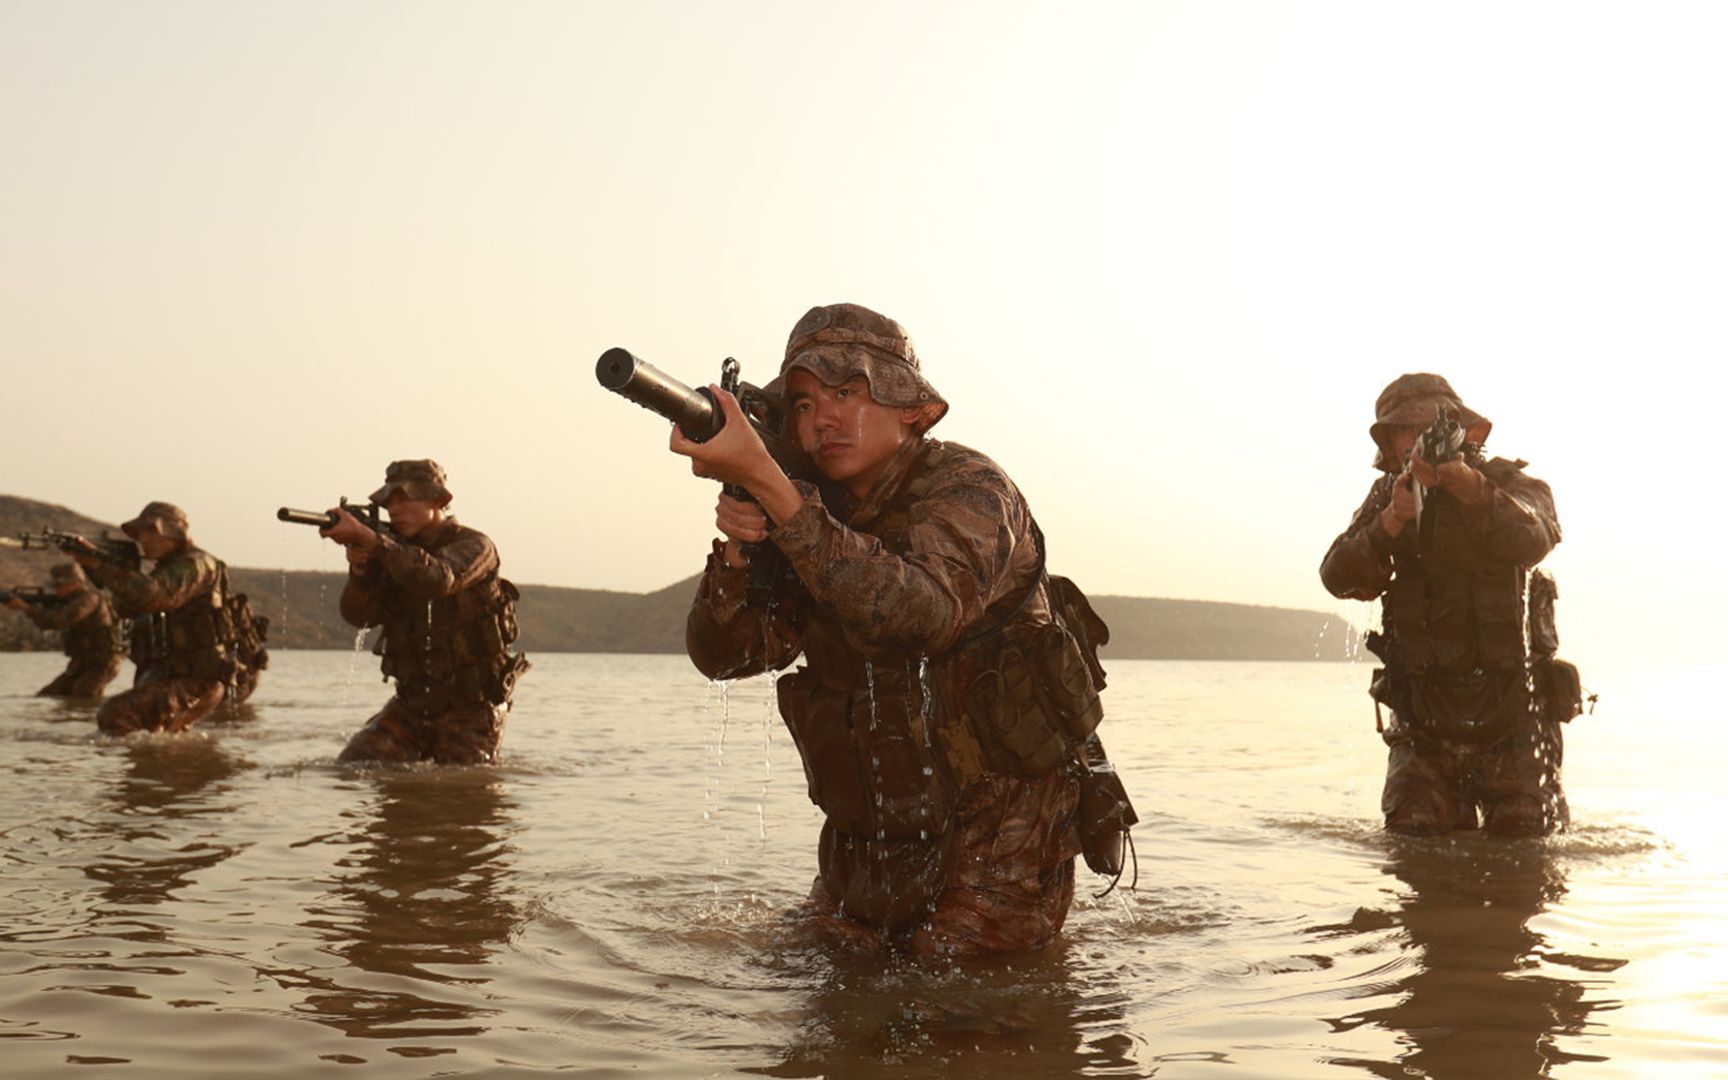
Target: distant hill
[(301, 606)]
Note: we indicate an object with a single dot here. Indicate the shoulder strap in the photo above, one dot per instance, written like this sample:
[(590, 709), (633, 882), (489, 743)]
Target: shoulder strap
[(1025, 596)]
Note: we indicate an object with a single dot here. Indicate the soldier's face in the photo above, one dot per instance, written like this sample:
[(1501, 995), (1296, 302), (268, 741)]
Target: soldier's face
[(65, 588), (1401, 440), (409, 517), (849, 436), (154, 544)]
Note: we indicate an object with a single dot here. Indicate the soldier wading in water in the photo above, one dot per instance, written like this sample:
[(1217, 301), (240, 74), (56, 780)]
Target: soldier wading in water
[(448, 620), (195, 643), (945, 711), (90, 634), (1476, 694)]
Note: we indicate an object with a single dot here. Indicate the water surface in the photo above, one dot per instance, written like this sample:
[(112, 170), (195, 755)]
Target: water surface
[(607, 902)]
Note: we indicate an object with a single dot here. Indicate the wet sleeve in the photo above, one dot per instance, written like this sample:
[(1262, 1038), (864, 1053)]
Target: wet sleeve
[(1358, 565), (168, 587), (968, 544), (362, 602), (729, 638), (426, 575), (67, 615), (1515, 517)]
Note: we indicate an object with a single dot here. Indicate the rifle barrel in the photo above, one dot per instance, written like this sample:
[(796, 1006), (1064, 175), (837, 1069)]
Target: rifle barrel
[(632, 377), (323, 519)]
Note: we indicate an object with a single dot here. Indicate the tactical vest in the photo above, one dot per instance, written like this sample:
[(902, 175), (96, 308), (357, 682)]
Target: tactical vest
[(194, 640), (96, 638), (1456, 621), (1452, 608), (452, 650), (888, 740)]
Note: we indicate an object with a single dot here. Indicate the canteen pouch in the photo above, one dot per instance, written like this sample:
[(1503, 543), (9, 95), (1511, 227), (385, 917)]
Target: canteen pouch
[(1559, 688), (1105, 817), (873, 776)]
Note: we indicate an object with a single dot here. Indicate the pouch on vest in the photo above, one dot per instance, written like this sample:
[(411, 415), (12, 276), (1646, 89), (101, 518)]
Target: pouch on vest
[(1559, 688), (881, 781), (1476, 708), (1558, 685), (1037, 700), (502, 684), (1106, 815)]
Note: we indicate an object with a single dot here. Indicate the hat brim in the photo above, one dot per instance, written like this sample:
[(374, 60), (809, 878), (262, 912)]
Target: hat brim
[(1418, 413), (421, 490), (892, 382)]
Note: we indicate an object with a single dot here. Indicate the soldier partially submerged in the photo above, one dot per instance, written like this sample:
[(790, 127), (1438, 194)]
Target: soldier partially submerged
[(89, 632), (193, 642), (1475, 710), (943, 715), (448, 622)]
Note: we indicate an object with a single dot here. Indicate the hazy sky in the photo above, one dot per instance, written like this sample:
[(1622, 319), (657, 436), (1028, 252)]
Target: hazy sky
[(1160, 257)]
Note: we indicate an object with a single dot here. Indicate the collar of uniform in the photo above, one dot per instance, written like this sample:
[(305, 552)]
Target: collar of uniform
[(434, 532), (892, 478)]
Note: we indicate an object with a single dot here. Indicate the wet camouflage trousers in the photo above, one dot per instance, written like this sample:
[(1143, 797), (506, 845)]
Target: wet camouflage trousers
[(1003, 881), (460, 735), (171, 704), (83, 679), (1435, 787)]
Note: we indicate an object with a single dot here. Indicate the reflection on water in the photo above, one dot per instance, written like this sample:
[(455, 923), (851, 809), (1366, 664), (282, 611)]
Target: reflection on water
[(164, 827), (1472, 1002), (422, 900), (914, 1018)]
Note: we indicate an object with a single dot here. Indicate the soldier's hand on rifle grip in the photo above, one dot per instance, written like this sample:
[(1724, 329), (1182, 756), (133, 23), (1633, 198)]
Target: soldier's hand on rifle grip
[(740, 519), (83, 552), (351, 533), (1461, 481), (14, 603), (1402, 509)]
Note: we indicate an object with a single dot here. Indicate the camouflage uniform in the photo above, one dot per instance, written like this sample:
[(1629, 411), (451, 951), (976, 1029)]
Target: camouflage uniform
[(90, 636), (932, 834), (449, 621), (1468, 728), (181, 643)]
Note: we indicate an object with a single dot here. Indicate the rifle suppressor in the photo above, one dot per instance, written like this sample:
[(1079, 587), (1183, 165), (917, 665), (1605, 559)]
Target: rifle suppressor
[(631, 377)]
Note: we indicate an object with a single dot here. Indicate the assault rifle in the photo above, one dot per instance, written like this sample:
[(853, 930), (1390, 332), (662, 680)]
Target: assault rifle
[(34, 595), (113, 549), (1441, 442), (699, 417), (369, 513), (695, 411)]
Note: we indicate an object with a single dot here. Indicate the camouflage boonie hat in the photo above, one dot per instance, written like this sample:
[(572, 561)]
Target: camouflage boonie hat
[(67, 573), (165, 518), (417, 478), (1409, 401), (840, 342)]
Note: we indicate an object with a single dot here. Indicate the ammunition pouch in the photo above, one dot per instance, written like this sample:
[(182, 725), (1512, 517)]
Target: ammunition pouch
[(1475, 708), (877, 776), (1559, 689), (453, 650), (248, 631), (1036, 701)]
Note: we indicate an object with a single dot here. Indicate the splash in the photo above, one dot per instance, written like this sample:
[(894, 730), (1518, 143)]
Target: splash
[(722, 690)]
